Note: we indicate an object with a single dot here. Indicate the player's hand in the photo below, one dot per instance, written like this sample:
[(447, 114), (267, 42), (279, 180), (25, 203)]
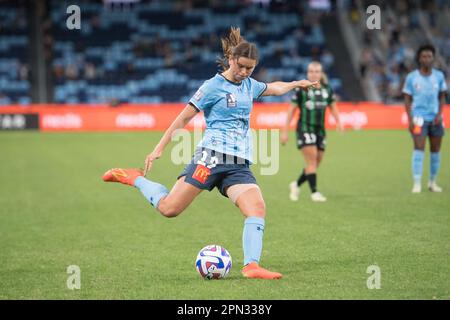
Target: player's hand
[(306, 84), (284, 137), (156, 154), (340, 127)]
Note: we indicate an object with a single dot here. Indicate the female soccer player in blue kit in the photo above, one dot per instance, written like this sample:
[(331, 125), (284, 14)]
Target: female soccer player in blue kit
[(424, 93), (224, 154)]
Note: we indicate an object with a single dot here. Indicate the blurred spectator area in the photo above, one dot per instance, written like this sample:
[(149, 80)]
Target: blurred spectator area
[(14, 67), (388, 55), (162, 51)]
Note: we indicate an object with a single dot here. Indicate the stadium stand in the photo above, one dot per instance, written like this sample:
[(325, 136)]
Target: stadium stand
[(162, 51), (388, 56), (14, 67)]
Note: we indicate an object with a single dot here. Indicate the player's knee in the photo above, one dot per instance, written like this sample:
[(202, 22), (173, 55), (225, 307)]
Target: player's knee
[(312, 162), (419, 145), (169, 210), (435, 148), (259, 209), (311, 168)]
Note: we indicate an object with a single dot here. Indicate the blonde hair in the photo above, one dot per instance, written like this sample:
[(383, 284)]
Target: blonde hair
[(235, 46), (324, 78)]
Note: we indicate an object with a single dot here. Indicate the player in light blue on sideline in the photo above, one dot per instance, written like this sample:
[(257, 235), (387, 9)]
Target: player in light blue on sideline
[(424, 91), (224, 154)]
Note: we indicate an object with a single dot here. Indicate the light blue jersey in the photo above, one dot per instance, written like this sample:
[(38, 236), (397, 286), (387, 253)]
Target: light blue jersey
[(227, 108), (425, 93)]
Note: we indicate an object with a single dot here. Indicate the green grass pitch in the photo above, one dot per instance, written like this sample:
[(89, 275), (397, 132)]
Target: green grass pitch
[(55, 211)]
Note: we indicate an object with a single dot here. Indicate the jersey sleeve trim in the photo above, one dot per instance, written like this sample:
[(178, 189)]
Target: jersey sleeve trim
[(193, 104), (407, 91), (262, 91)]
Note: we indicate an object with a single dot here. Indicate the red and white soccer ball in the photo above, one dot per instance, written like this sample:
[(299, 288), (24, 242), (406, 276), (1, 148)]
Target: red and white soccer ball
[(213, 262)]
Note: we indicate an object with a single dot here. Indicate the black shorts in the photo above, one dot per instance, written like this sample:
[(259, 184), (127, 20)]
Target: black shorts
[(305, 138), (429, 129), (225, 171)]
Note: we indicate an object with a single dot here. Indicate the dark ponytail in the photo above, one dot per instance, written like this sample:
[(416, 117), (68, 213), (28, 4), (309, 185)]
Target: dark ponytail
[(235, 46)]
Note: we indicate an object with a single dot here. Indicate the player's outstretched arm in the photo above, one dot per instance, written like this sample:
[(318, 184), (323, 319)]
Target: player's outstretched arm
[(180, 122), (278, 88)]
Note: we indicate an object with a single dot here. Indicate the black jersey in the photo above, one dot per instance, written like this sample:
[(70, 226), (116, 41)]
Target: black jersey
[(313, 104)]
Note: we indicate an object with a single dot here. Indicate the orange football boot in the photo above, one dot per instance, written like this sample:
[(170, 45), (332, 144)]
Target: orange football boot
[(125, 176), (254, 271)]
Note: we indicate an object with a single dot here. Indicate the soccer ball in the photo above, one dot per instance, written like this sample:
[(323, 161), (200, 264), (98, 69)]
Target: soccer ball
[(213, 262)]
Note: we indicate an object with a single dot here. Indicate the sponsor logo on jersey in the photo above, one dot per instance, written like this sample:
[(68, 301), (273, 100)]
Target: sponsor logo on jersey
[(309, 105), (201, 173)]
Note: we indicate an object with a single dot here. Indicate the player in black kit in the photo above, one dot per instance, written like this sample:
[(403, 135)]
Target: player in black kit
[(311, 129)]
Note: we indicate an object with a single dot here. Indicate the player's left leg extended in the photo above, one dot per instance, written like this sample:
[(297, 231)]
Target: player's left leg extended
[(435, 162), (178, 199), (249, 200), (169, 204)]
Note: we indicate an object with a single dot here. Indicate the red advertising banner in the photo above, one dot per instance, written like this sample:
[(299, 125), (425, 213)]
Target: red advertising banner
[(159, 116)]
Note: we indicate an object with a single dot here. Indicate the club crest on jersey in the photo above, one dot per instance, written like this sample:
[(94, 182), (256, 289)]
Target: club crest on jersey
[(231, 100), (324, 94)]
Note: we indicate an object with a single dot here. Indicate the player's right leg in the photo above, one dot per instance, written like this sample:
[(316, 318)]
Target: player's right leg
[(317, 196), (294, 186), (248, 198), (310, 154), (417, 161)]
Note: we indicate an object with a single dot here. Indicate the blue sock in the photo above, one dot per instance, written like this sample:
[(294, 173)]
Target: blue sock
[(252, 239), (435, 163), (417, 165), (152, 191)]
